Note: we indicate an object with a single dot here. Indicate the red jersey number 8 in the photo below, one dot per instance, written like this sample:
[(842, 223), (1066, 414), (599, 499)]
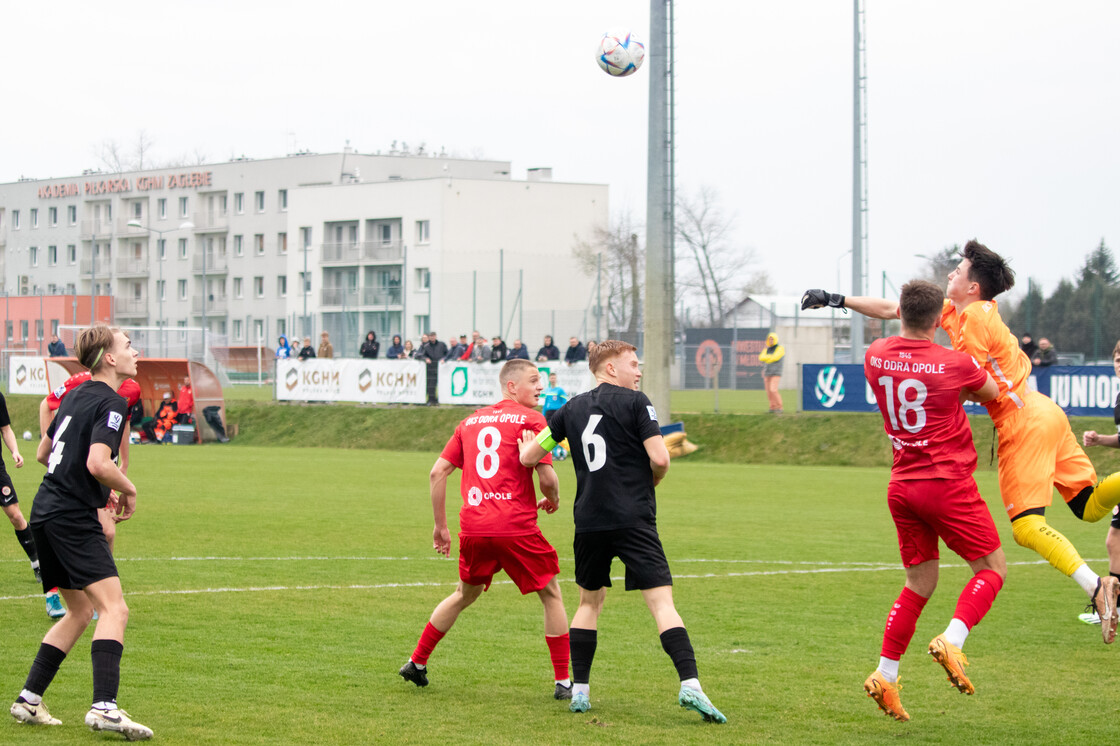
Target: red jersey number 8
[(486, 463)]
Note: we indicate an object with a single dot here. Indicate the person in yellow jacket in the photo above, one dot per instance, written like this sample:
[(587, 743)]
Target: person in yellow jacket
[(771, 358)]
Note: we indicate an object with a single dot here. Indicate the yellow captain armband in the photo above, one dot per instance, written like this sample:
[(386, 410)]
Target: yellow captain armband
[(545, 440)]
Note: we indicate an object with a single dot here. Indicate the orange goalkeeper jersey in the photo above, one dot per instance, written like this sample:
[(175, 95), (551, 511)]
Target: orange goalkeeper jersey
[(979, 331)]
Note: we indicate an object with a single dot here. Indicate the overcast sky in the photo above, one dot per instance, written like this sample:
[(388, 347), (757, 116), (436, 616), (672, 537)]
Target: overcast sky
[(994, 119)]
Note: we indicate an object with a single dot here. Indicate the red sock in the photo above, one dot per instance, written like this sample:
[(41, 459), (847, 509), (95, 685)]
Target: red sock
[(428, 641), (901, 623), (977, 597), (559, 651)]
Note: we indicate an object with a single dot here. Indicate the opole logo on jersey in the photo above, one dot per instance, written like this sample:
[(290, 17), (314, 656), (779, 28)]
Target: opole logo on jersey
[(474, 496), (830, 386)]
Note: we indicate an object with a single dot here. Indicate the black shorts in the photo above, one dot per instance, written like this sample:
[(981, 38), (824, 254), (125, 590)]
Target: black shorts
[(1115, 517), (7, 490), (73, 551), (638, 548)]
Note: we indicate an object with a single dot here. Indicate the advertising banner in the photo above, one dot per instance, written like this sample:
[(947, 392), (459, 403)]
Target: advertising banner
[(357, 380), (1081, 391), (477, 383), (728, 355), (27, 375)]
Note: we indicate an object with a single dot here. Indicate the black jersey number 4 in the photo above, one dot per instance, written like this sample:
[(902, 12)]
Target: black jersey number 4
[(58, 445)]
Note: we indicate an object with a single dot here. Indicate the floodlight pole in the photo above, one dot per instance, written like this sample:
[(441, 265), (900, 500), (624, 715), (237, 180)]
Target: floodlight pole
[(658, 325), (185, 226)]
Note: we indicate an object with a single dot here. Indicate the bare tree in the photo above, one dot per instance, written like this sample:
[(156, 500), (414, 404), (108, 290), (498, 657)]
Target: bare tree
[(109, 153), (939, 265), (141, 151), (619, 254), (710, 268)]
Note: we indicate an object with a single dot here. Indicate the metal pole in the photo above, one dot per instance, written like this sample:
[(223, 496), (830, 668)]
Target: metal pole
[(521, 304), (205, 293), (659, 211), (474, 299), (857, 179), (598, 294), (92, 274), (161, 249), (303, 286), (501, 286)]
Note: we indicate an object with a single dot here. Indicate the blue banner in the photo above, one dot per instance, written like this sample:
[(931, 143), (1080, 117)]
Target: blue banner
[(1081, 391)]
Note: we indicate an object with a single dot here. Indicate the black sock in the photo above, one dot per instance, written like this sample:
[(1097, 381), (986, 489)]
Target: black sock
[(106, 656), (676, 643), (582, 643), (27, 541), (46, 664)]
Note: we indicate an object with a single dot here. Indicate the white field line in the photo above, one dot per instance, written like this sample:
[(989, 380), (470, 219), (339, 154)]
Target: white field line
[(828, 567)]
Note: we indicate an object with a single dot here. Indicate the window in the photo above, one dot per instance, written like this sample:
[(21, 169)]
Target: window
[(72, 214), (258, 287), (52, 257), (258, 241), (182, 248), (423, 278), (282, 243), (282, 286), (238, 247), (422, 322), (137, 210), (161, 248), (304, 237), (423, 231), (161, 289), (282, 327), (34, 254), (71, 254), (71, 289), (34, 222), (305, 282), (283, 198), (52, 216), (239, 203), (237, 329), (182, 294), (23, 330), (260, 201), (237, 288), (15, 225), (386, 234), (9, 328), (183, 206), (54, 327), (161, 205), (39, 329)]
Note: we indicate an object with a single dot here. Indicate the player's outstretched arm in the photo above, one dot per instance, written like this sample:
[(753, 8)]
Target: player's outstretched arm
[(12, 444), (437, 482), (1092, 438), (533, 446), (550, 488), (875, 308), (658, 457), (102, 467)]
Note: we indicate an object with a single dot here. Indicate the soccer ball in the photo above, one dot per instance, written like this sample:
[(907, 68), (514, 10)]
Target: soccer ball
[(559, 453), (620, 54), (27, 435)]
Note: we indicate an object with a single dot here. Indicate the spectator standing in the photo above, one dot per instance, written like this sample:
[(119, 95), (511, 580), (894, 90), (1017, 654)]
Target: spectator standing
[(283, 349), (548, 351), (498, 350), (576, 352), (370, 347), (518, 351), (307, 350), (480, 351), (409, 352), (395, 349), (771, 359), (186, 403), (456, 349), (1027, 345), (1046, 355), (326, 349), (432, 353), (56, 348)]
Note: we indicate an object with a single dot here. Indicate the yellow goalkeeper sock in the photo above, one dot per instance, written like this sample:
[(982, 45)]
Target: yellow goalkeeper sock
[(1105, 497), (1032, 532)]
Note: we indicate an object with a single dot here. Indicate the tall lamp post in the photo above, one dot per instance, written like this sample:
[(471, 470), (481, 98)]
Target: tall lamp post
[(185, 226)]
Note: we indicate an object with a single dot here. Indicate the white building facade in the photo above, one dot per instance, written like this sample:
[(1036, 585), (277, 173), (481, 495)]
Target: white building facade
[(342, 242)]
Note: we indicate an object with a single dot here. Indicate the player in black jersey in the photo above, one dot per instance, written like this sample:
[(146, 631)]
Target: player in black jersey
[(619, 457), (9, 503), (1092, 438), (79, 450)]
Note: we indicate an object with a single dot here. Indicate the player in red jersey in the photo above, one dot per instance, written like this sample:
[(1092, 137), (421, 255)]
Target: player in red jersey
[(130, 390), (918, 386), (498, 521)]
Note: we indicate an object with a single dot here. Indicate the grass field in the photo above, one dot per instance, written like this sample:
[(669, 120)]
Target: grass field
[(275, 592)]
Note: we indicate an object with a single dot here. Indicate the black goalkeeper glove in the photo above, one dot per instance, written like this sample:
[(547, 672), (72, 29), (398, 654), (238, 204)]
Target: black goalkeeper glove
[(817, 298)]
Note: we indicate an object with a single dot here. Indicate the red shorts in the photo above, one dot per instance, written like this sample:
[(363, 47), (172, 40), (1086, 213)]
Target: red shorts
[(529, 560), (924, 509)]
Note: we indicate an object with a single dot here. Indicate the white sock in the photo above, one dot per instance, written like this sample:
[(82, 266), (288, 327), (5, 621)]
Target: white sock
[(584, 689), (566, 683), (31, 698), (889, 669), (692, 684), (956, 633), (105, 706), (420, 666), (1087, 579)]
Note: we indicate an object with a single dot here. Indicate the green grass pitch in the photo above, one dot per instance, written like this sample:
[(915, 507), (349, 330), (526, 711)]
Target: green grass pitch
[(275, 592)]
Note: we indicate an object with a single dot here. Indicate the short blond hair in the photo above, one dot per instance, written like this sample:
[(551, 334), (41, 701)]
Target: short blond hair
[(92, 345), (607, 350), (514, 369)]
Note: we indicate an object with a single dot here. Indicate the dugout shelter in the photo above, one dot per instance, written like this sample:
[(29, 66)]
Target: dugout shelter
[(156, 377)]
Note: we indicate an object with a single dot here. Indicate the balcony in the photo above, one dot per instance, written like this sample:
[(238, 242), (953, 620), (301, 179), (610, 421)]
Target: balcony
[(86, 265), (97, 228), (211, 220), (341, 253), (383, 251), (364, 252), (381, 296), (216, 264), (215, 306), (130, 306), (340, 297), (124, 229), (133, 267)]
